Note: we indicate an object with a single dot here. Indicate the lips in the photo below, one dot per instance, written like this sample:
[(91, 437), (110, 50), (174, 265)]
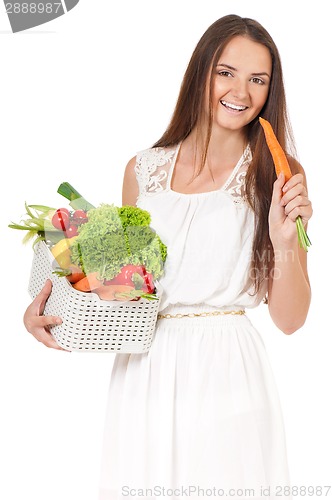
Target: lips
[(233, 107)]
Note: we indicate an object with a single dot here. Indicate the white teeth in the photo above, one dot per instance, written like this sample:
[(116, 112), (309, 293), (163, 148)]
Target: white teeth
[(233, 106)]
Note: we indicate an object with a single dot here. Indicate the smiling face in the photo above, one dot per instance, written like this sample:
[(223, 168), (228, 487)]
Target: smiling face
[(241, 81)]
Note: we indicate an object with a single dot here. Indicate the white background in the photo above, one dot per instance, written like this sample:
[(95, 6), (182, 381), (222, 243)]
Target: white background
[(79, 97)]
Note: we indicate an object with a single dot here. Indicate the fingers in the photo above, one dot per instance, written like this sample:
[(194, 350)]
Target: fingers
[(45, 321), (299, 206), (293, 181), (42, 297), (37, 324), (46, 338), (295, 199), (38, 304), (36, 308), (291, 192)]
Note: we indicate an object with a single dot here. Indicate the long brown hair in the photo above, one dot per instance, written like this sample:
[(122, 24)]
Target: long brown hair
[(189, 111)]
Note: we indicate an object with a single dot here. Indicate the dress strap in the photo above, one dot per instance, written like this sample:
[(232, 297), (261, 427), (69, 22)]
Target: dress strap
[(235, 185), (152, 169)]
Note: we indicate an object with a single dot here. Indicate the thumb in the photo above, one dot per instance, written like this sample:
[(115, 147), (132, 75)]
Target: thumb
[(277, 187), (40, 300)]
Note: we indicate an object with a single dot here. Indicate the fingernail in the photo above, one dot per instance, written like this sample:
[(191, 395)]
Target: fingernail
[(58, 321)]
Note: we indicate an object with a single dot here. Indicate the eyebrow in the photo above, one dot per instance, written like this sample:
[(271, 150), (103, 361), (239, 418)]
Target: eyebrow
[(234, 69)]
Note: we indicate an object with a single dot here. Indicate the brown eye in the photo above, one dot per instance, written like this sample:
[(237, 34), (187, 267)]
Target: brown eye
[(224, 73), (258, 80)]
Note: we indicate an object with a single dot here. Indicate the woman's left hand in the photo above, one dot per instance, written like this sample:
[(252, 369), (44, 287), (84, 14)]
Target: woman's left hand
[(289, 201)]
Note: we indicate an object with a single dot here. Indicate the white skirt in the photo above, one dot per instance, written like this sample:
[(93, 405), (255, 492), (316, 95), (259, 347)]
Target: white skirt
[(198, 416)]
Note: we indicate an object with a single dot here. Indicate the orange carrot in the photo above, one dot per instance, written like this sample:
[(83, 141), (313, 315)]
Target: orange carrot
[(76, 274), (281, 165), (279, 158), (90, 282)]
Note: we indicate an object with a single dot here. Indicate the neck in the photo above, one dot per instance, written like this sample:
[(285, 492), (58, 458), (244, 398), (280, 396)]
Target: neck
[(226, 144)]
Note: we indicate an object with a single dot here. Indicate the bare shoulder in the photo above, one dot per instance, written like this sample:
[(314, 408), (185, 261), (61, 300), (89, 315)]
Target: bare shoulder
[(129, 170), (130, 188)]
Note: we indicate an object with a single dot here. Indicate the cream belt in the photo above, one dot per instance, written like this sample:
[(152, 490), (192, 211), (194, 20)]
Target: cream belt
[(192, 315)]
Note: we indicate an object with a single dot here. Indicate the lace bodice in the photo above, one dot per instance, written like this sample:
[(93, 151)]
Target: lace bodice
[(154, 170)]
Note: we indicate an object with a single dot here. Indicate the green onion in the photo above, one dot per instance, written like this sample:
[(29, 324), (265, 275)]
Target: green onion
[(76, 200), (38, 224), (302, 236)]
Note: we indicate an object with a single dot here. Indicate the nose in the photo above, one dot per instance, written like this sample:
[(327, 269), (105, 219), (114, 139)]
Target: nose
[(240, 88)]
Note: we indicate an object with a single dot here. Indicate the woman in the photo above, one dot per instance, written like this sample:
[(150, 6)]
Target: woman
[(201, 410)]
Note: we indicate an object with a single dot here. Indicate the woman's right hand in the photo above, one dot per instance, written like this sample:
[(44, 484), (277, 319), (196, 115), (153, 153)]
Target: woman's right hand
[(37, 324)]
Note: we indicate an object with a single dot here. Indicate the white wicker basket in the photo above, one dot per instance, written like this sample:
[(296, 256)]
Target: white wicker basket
[(90, 324)]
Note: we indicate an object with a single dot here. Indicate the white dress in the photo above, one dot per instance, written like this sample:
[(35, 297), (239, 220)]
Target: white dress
[(199, 414)]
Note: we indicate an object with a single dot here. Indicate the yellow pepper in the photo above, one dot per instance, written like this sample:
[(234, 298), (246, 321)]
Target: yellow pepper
[(62, 253)]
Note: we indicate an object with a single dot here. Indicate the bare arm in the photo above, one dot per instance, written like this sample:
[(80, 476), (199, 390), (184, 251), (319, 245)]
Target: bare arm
[(130, 189), (289, 290), (289, 287)]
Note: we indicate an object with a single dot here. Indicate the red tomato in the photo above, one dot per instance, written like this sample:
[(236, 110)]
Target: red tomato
[(71, 231), (61, 219), (79, 213), (79, 217)]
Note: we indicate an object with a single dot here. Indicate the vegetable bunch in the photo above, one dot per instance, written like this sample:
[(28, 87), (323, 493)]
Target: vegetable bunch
[(109, 250)]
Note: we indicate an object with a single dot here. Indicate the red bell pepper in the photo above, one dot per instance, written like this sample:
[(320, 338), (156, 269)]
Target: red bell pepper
[(132, 274)]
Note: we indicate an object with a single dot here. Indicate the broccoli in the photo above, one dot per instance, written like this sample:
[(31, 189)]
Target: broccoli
[(116, 236)]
